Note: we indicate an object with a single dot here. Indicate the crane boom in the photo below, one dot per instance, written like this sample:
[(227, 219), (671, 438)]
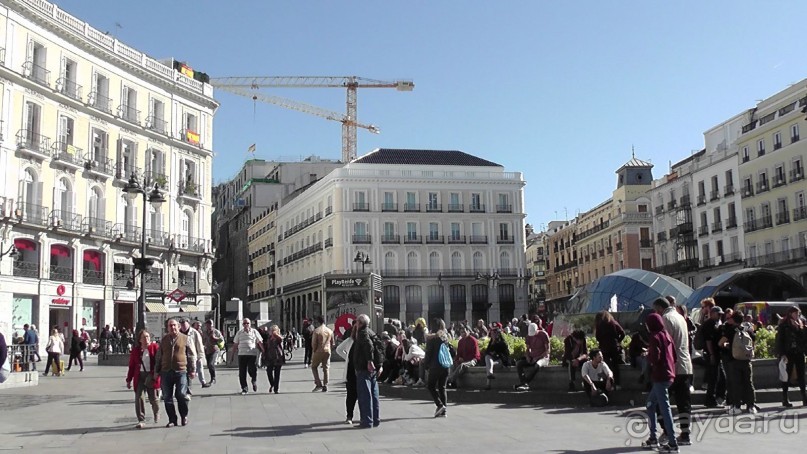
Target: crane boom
[(248, 86)]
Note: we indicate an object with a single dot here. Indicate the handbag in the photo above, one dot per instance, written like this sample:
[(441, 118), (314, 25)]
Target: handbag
[(148, 380), (783, 376)]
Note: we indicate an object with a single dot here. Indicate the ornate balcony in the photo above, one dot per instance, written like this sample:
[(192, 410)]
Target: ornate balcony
[(391, 239), (456, 208), (504, 208), (69, 88), (129, 113), (389, 206), (103, 167), (33, 144), (361, 206), (32, 214), (362, 239), (411, 207), (435, 239), (61, 273), (100, 101), (67, 155), (434, 208), (66, 220), (36, 73), (24, 268), (157, 124), (477, 208)]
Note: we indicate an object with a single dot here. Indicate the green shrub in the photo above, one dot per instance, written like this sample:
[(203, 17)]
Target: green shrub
[(764, 344), (556, 350)]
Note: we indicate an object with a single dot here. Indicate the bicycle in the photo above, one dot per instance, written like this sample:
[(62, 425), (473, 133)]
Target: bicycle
[(288, 348)]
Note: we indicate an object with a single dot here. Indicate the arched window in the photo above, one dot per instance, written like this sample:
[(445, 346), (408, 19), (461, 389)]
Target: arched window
[(479, 261), (29, 187), (456, 261), (95, 203), (389, 261), (434, 262), (63, 198), (412, 261), (504, 260)]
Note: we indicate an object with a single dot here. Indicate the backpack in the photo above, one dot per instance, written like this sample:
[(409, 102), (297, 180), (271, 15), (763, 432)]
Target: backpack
[(699, 342), (378, 351), (742, 347), (444, 356)]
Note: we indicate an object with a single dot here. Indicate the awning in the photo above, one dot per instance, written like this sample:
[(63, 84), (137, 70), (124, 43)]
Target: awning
[(189, 308), (156, 307)]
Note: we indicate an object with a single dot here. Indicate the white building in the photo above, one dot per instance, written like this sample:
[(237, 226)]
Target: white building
[(444, 229), (81, 113)]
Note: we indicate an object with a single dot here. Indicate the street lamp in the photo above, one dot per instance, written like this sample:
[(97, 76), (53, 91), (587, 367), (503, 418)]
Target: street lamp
[(143, 264), (11, 251), (362, 258), (488, 278)]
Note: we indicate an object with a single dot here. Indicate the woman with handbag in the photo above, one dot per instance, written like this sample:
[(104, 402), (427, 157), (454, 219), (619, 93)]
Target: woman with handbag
[(55, 348), (141, 372)]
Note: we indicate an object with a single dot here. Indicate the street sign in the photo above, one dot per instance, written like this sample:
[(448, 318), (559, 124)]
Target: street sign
[(177, 295)]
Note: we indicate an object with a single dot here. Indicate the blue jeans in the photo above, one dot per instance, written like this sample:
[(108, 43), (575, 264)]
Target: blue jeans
[(174, 384), (659, 400), (367, 390)]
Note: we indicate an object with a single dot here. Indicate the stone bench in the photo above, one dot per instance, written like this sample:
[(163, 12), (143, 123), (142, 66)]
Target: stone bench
[(556, 378)]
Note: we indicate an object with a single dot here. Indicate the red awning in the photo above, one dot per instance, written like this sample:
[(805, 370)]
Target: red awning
[(24, 245), (93, 257), (59, 250)]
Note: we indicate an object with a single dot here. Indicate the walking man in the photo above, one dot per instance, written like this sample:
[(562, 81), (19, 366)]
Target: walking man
[(676, 326), (85, 338), (213, 342), (198, 352), (31, 339), (249, 344), (321, 343), (366, 374), (175, 364)]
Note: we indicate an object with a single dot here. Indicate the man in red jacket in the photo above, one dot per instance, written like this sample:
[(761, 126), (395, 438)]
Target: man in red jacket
[(661, 361), (467, 356)]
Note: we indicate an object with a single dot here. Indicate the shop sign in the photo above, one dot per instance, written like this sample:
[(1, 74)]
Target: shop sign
[(60, 300), (345, 282)]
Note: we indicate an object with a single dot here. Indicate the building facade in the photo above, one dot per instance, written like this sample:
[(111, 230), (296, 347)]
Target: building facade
[(82, 113), (538, 260), (444, 229), (771, 177)]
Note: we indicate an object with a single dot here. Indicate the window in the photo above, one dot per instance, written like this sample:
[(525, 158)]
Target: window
[(434, 231), (476, 201), (434, 262), (760, 147), (156, 118), (99, 96), (389, 230), (479, 262), (504, 204), (504, 260), (99, 146), (432, 200), (67, 80), (126, 159), (729, 178), (412, 261), (454, 199), (504, 231), (779, 175), (412, 230), (777, 140), (389, 202), (64, 141), (33, 115), (389, 261), (746, 156), (794, 133), (128, 105), (456, 261), (455, 230), (360, 229)]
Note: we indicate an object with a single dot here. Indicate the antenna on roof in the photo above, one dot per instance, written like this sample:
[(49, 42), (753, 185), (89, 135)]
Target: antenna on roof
[(632, 151)]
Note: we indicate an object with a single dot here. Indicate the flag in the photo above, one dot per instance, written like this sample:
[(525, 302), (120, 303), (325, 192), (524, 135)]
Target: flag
[(251, 148)]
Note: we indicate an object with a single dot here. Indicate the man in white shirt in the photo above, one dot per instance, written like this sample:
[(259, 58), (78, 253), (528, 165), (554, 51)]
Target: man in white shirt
[(249, 344), (598, 379)]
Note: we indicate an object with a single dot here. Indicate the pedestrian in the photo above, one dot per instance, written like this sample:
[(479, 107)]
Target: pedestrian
[(661, 360), (740, 374), (55, 348), (31, 340), (438, 373), (791, 335), (497, 353), (609, 335), (535, 358), (676, 326), (345, 349), (274, 358), (75, 351), (142, 377), (213, 342), (575, 354), (467, 356), (308, 332), (715, 367), (248, 344), (197, 343), (85, 342), (175, 364), (5, 368), (104, 342), (366, 374), (321, 343)]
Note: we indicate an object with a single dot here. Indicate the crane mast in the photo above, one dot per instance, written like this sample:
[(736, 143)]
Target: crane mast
[(249, 86)]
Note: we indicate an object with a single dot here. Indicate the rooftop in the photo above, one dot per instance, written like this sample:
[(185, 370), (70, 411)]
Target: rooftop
[(423, 157)]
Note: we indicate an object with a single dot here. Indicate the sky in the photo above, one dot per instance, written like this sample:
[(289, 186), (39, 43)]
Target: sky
[(561, 91)]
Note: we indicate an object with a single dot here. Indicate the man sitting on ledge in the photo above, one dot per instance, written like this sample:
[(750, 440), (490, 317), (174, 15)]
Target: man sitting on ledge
[(467, 356), (598, 379)]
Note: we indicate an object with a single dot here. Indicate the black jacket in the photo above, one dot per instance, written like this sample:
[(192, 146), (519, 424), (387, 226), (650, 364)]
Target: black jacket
[(498, 350), (433, 344), (362, 350)]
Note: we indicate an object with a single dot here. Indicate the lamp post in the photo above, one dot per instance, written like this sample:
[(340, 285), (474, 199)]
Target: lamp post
[(11, 251), (143, 263), (362, 258), (488, 278)]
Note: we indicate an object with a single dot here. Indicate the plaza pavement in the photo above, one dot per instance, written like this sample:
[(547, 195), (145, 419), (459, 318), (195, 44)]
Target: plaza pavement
[(92, 411)]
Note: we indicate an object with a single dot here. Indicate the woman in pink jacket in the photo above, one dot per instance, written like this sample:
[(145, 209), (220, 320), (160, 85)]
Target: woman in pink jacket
[(141, 373)]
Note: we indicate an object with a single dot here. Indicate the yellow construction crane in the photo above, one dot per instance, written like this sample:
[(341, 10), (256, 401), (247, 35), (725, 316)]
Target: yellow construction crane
[(249, 86)]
